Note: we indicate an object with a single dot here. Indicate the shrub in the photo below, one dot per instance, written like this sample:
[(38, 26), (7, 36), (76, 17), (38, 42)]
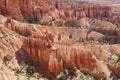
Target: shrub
[(62, 76), (19, 71), (118, 58), (118, 41), (70, 36), (80, 40), (31, 69), (59, 36), (115, 77), (111, 41), (33, 20), (57, 24), (28, 35), (96, 78), (16, 31), (104, 77), (72, 69)]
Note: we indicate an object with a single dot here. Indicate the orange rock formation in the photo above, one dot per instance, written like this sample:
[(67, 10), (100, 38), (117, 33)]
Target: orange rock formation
[(49, 54), (38, 10)]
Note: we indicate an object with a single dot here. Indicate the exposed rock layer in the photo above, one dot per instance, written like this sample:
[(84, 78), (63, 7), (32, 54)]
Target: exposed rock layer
[(49, 52), (39, 10)]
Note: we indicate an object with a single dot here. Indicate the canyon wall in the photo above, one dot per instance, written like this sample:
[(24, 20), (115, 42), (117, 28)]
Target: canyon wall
[(45, 11), (50, 48), (50, 53), (18, 8)]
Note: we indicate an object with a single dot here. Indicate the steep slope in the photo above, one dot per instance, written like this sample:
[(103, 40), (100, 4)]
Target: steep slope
[(36, 10), (49, 52), (91, 44), (9, 41)]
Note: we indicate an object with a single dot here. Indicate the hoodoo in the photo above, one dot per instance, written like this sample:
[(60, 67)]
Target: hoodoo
[(59, 40)]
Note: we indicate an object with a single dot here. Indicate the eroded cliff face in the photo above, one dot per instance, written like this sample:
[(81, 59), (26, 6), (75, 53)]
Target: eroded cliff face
[(44, 11), (52, 47), (20, 8), (10, 43)]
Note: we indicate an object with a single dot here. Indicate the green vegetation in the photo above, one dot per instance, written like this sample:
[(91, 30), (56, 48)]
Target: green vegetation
[(104, 78), (96, 78), (80, 40), (16, 31), (33, 20), (114, 57), (68, 73), (59, 37), (118, 41), (28, 35), (57, 24), (62, 76), (28, 71), (115, 77), (31, 70), (106, 15), (70, 36), (19, 71), (118, 58), (82, 76), (70, 25), (72, 69), (103, 41)]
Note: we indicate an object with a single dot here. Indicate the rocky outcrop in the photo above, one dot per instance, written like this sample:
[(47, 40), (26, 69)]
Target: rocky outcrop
[(51, 60), (10, 43), (17, 9), (38, 11), (48, 56), (95, 36), (49, 48)]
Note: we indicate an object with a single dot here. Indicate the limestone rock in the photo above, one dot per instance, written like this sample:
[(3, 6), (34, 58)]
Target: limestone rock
[(40, 9), (49, 54), (95, 35)]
